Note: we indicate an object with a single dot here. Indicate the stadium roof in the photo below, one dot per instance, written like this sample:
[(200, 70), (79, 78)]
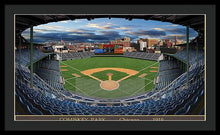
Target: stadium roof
[(195, 22)]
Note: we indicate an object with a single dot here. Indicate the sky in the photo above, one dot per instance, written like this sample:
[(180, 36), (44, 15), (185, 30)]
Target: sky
[(103, 30)]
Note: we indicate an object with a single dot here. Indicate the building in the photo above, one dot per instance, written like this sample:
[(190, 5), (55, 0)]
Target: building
[(58, 48), (142, 43), (168, 43), (179, 42), (125, 41), (147, 43), (129, 49), (71, 48), (160, 43), (151, 42)]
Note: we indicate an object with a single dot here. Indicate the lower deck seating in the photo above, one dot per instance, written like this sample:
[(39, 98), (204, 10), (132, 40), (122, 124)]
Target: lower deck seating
[(44, 98), (142, 55), (168, 71)]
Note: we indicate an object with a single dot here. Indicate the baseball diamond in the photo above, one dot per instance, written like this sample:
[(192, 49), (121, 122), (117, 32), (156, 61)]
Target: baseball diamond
[(108, 77)]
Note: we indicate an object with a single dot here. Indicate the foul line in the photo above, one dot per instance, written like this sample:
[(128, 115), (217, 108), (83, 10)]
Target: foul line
[(123, 91), (77, 88), (124, 78), (146, 79), (70, 78), (86, 61), (95, 78), (148, 67), (141, 88), (71, 66), (95, 91)]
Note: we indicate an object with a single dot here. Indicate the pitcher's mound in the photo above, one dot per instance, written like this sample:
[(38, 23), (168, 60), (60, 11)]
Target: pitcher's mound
[(109, 85)]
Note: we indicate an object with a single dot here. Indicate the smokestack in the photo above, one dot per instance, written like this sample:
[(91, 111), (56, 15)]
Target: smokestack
[(175, 40)]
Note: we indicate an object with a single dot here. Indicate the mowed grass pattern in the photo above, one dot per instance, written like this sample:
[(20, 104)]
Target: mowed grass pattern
[(86, 86)]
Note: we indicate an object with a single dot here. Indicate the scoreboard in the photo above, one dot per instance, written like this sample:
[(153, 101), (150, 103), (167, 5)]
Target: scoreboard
[(109, 49)]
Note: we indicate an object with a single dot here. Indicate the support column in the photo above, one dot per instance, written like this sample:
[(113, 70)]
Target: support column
[(187, 53), (197, 51), (19, 51), (28, 48), (31, 55), (190, 49)]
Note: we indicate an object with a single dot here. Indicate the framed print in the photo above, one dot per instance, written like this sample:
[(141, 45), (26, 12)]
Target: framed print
[(73, 65)]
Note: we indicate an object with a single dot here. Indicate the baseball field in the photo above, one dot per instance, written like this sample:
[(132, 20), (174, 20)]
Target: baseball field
[(109, 77)]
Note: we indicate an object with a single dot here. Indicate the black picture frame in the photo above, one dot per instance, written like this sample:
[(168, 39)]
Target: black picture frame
[(11, 125)]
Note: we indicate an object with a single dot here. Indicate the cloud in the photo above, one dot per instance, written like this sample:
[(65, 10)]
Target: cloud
[(179, 36), (123, 28), (76, 35), (77, 30), (150, 33), (177, 30), (108, 26), (63, 21), (47, 30), (129, 32), (159, 29), (133, 25), (76, 21), (55, 27), (84, 35), (27, 32), (94, 25), (109, 33), (172, 25), (67, 30)]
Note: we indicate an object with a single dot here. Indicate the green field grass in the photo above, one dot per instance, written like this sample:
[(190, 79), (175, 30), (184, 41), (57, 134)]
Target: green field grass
[(87, 86), (103, 75)]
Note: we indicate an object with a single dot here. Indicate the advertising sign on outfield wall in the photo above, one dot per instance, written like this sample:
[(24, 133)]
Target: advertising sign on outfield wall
[(109, 49)]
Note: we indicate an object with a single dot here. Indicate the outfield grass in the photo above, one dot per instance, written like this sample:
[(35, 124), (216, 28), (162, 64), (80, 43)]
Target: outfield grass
[(87, 86)]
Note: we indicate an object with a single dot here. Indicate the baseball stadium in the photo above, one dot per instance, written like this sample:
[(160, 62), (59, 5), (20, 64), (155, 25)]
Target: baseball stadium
[(109, 80)]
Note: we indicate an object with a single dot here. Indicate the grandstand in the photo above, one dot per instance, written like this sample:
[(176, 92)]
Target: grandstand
[(168, 71), (178, 90), (142, 55), (48, 87), (75, 55)]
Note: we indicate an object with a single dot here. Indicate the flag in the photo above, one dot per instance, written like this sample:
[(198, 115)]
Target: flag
[(62, 41)]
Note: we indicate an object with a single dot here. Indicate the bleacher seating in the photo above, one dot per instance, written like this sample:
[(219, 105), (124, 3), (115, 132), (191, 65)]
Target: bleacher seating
[(142, 55), (192, 55), (48, 97), (168, 71), (75, 55), (25, 55)]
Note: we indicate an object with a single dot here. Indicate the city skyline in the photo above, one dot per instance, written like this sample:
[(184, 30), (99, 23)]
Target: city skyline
[(104, 30)]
